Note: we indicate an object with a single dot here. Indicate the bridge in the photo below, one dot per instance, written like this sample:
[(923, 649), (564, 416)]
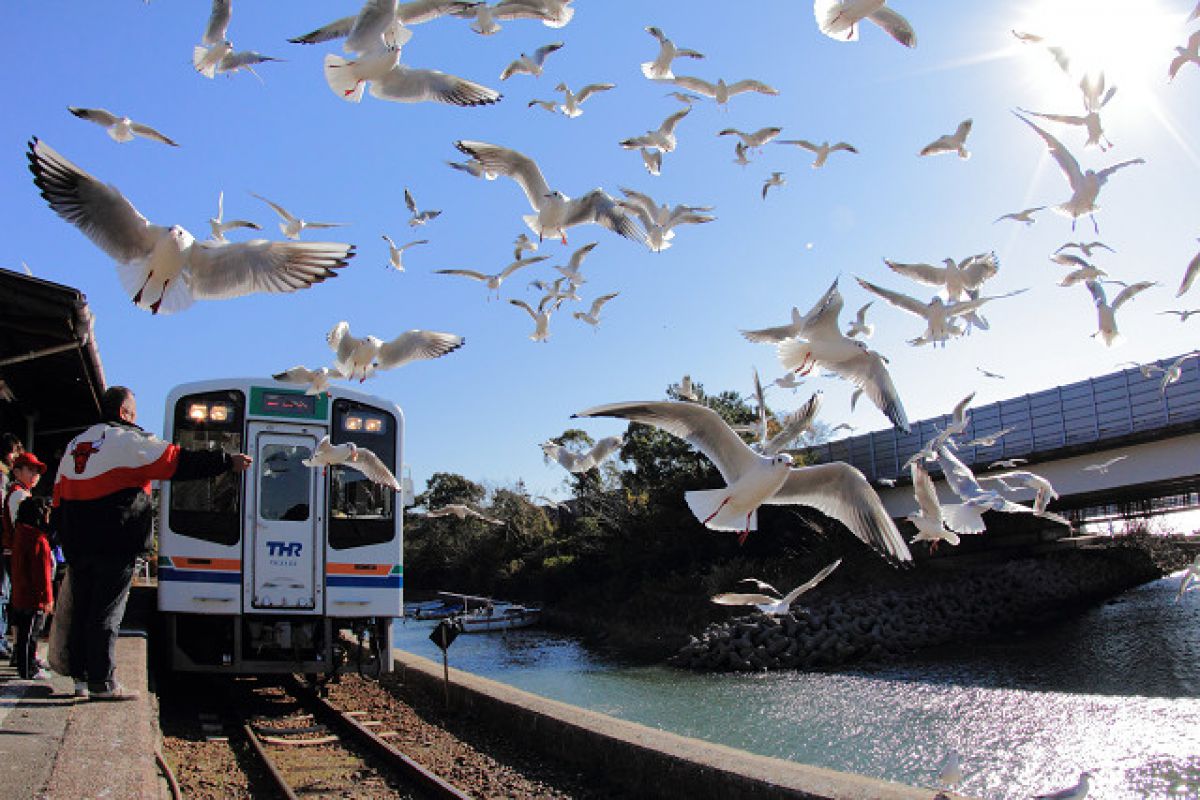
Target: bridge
[(1060, 433)]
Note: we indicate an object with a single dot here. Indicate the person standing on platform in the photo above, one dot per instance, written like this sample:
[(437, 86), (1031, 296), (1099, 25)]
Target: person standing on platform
[(24, 472), (32, 583), (104, 517)]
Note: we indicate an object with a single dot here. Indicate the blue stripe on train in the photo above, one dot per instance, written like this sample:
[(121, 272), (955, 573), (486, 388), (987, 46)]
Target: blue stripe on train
[(370, 581), (197, 576)]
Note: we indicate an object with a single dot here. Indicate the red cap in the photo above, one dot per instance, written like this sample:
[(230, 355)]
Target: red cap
[(29, 460)]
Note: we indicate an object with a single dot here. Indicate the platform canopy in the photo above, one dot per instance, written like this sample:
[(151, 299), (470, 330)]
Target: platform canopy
[(51, 377)]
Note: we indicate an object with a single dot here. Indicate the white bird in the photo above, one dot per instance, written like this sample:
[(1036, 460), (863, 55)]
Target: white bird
[(950, 770), (381, 21), (950, 143), (1183, 314), (218, 226), (575, 263), (1025, 215), (391, 80), (418, 217), (651, 160), (552, 13), (545, 105), (120, 129), (1190, 576), (839, 19), (555, 212), (493, 282), (938, 314), (1107, 312), (462, 511), (754, 138), (290, 225), (722, 91), (235, 61), (1006, 463), (1076, 792), (660, 68), (1085, 186), (578, 463), (592, 315), (572, 102), (473, 168), (1185, 55), (1085, 247), (988, 374), (363, 357), (739, 154), (776, 179), (166, 269), (799, 323), (1080, 270), (355, 457), (837, 490), (773, 604), (662, 138), (1020, 479), (396, 254), (316, 379), (206, 59), (1090, 121), (955, 278), (1175, 371), (860, 326), (659, 220), (218, 22), (541, 317), (1189, 275), (976, 499), (821, 150), (522, 244), (1102, 467), (990, 439), (928, 519), (530, 64)]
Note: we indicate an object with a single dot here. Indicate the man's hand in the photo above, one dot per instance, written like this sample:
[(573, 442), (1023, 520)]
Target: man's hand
[(240, 462)]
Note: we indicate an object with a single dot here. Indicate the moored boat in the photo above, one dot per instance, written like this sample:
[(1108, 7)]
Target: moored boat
[(499, 616)]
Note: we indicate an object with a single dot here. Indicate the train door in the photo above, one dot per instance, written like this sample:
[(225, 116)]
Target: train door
[(283, 553)]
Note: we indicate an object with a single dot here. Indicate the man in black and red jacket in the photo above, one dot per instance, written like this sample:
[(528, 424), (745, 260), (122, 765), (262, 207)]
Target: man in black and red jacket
[(104, 519)]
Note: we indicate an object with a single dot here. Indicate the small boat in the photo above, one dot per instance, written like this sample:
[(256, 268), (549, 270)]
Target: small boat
[(498, 616)]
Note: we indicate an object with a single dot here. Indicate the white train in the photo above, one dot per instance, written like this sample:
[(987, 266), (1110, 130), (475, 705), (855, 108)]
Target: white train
[(265, 571)]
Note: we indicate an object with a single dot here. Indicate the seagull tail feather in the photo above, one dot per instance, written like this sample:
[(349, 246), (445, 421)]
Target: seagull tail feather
[(341, 79)]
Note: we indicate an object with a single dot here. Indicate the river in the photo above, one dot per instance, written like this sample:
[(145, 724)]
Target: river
[(1115, 691)]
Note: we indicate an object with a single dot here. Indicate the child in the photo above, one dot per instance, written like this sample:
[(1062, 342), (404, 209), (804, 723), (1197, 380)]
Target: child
[(33, 582)]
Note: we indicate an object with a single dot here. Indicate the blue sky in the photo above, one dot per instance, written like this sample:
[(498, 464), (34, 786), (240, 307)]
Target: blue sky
[(482, 411)]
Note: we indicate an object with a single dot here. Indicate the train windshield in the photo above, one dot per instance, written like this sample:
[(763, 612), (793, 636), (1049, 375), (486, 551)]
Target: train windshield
[(209, 508), (361, 512)]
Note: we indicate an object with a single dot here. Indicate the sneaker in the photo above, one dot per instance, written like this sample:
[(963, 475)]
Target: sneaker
[(118, 692), (81, 689)]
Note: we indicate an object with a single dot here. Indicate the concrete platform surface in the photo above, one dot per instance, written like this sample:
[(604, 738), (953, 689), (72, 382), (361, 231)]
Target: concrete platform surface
[(56, 747)]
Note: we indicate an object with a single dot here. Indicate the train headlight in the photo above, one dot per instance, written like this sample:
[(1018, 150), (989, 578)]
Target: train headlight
[(368, 423), (373, 425), (198, 412), (219, 412), (353, 423), (209, 412)]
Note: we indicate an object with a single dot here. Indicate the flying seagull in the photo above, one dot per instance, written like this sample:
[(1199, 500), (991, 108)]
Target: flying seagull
[(660, 68), (578, 463), (950, 143), (391, 80), (355, 457), (572, 102), (839, 19), (219, 226), (1107, 312), (773, 604), (462, 511), (363, 357), (821, 150), (530, 64), (121, 129), (722, 91), (418, 217), (290, 224), (396, 253), (493, 281), (317, 380)]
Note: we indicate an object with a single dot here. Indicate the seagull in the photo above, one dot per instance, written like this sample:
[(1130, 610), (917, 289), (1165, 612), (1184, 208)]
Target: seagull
[(530, 65), (1185, 55), (937, 313), (788, 381), (120, 129), (837, 489), (838, 19), (578, 463), (552, 13), (739, 153), (1148, 370), (1021, 479), (206, 59), (660, 68), (1183, 315), (755, 138), (1082, 270), (822, 150), (1189, 275), (462, 512), (683, 97), (773, 604), (661, 139), (493, 281), (395, 254), (218, 22), (572, 102), (1102, 467), (860, 326), (571, 270), (1085, 247), (522, 244), (722, 91), (218, 227), (418, 217), (800, 322), (1107, 313), (1085, 186), (990, 439), (291, 225), (242, 59), (592, 316), (380, 20), (929, 519), (976, 499), (164, 269), (316, 379), (659, 220), (1007, 463), (776, 179), (391, 80), (473, 168), (985, 373), (955, 278), (950, 770), (355, 457), (1175, 371), (1025, 215), (545, 105), (950, 143), (651, 160), (555, 212), (1076, 792), (363, 357), (1191, 575), (541, 317)]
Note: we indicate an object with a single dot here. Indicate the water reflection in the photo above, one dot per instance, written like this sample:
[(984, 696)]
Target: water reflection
[(1115, 691)]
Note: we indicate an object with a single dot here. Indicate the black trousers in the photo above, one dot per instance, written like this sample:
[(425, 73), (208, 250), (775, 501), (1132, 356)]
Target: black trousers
[(99, 591), (29, 627)]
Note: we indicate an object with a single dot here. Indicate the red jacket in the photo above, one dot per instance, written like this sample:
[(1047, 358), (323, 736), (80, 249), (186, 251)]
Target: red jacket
[(32, 569)]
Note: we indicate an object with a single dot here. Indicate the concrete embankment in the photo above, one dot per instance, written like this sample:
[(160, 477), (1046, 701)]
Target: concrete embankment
[(928, 610), (647, 762)]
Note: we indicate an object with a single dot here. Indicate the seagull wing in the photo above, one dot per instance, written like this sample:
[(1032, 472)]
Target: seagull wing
[(1066, 119), (868, 372), (822, 318), (466, 273), (1130, 291), (796, 424), (599, 302), (810, 584), (373, 19), (416, 345), (298, 374), (1104, 174), (280, 210), (409, 85), (99, 116), (218, 22), (743, 599), (520, 262), (539, 55), (895, 25), (922, 273), (1189, 276), (698, 425), (902, 301), (597, 206), (748, 85), (978, 268), (373, 467), (577, 257), (923, 491), (334, 30), (218, 270), (97, 209), (498, 160), (1066, 161), (841, 492), (805, 143), (342, 344), (697, 85), (668, 125), (591, 89)]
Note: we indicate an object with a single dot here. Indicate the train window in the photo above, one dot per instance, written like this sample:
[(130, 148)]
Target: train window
[(209, 508), (361, 512), (285, 485)]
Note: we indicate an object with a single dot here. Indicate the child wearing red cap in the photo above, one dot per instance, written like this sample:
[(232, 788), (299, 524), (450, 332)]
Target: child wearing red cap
[(32, 582), (24, 474)]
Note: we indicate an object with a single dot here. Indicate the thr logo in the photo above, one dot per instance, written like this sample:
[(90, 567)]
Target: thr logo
[(284, 549)]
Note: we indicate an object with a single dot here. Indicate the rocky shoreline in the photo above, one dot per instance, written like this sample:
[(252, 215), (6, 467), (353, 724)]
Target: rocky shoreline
[(930, 609)]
